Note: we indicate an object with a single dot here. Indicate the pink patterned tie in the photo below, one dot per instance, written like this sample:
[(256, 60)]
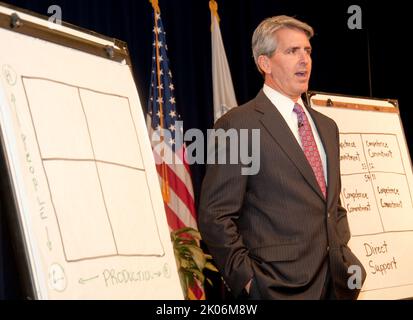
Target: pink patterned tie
[(310, 147)]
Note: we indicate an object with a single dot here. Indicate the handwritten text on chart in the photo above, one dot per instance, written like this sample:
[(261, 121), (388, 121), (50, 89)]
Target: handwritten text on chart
[(377, 251), (114, 277)]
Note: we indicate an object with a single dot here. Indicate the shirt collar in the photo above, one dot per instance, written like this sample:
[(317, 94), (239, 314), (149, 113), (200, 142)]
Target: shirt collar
[(283, 103)]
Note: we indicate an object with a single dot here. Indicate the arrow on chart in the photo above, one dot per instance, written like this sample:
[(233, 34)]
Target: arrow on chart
[(13, 102), (84, 281), (48, 243)]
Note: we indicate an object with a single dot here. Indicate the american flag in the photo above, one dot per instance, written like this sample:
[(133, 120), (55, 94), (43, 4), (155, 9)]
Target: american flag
[(175, 177)]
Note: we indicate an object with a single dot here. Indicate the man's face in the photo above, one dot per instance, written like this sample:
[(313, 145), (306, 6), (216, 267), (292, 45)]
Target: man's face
[(288, 69)]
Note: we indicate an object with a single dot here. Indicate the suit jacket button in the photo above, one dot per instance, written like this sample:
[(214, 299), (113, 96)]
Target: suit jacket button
[(328, 248)]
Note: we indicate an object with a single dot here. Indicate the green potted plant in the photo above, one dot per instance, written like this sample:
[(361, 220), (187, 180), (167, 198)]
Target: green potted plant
[(191, 261)]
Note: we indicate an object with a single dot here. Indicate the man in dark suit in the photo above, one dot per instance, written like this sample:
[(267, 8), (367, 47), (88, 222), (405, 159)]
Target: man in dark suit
[(281, 233)]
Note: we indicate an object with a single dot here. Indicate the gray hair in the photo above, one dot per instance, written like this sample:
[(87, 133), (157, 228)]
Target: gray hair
[(263, 40)]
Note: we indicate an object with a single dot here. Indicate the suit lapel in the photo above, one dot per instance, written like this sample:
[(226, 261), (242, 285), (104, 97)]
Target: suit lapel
[(276, 126)]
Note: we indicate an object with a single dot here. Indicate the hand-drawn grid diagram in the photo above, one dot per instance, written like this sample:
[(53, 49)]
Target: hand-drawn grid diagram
[(378, 199), (91, 156)]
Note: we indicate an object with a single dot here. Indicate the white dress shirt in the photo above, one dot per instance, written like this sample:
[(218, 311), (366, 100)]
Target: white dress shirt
[(285, 106)]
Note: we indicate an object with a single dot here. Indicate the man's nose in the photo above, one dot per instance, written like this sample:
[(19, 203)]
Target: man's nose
[(304, 58)]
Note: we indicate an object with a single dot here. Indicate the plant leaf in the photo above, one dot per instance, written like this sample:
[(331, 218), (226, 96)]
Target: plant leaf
[(211, 267), (198, 257)]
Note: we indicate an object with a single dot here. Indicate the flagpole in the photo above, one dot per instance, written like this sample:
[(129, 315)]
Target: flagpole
[(165, 182)]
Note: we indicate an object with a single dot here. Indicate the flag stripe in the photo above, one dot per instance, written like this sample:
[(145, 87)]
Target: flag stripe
[(181, 154), (173, 220), (183, 170), (181, 210), (180, 188), (179, 178)]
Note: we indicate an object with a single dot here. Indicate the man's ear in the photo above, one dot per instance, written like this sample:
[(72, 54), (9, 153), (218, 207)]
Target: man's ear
[(264, 64)]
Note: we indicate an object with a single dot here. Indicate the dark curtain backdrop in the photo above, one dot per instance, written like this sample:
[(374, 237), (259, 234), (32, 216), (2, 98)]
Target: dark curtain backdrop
[(340, 59)]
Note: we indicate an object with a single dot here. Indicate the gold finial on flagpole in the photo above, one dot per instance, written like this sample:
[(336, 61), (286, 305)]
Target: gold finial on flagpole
[(213, 6), (155, 5)]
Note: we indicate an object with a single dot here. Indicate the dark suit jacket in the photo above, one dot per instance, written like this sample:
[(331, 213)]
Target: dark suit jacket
[(276, 227)]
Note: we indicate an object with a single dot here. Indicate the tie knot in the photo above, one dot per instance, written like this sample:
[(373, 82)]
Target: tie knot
[(301, 117), (298, 109)]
